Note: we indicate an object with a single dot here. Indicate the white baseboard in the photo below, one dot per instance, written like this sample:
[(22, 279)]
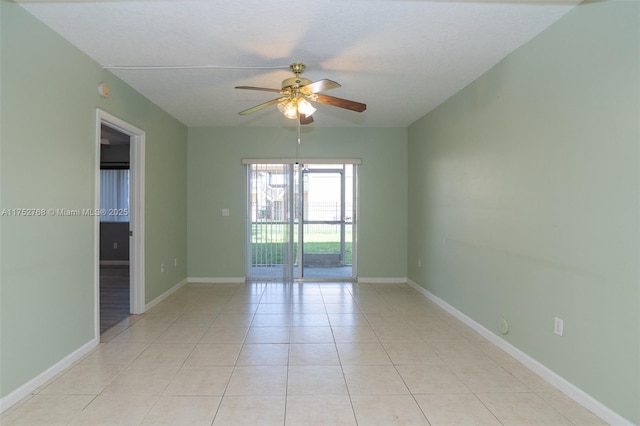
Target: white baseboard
[(42, 378), (214, 280), (378, 280), (568, 388), (164, 295)]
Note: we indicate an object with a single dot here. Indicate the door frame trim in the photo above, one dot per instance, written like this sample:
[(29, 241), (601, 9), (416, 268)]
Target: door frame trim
[(136, 213)]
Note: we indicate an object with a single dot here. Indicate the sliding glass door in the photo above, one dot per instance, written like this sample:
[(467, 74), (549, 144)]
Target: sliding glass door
[(270, 245), (327, 225), (301, 221)]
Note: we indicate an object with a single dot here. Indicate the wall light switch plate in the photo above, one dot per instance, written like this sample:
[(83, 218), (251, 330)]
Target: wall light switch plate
[(558, 326), (225, 212)]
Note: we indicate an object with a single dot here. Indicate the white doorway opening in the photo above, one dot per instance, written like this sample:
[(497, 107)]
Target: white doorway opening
[(136, 212)]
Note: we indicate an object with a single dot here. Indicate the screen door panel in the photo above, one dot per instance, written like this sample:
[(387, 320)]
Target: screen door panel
[(326, 237)]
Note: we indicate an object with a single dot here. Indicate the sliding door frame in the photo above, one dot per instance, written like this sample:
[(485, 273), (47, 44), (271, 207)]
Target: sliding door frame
[(248, 162)]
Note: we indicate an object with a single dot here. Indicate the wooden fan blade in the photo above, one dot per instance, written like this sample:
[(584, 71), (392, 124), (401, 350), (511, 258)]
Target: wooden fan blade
[(341, 103), (259, 107), (320, 86), (263, 89), (306, 120)]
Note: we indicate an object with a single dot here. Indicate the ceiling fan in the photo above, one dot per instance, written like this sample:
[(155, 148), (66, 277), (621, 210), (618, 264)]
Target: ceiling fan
[(296, 94)]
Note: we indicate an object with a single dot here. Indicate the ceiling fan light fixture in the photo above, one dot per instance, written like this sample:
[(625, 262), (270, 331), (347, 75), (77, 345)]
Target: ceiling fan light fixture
[(288, 108), (305, 107)]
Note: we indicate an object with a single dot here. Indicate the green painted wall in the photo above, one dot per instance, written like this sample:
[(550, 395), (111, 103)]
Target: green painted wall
[(48, 110), (524, 200), (217, 180)]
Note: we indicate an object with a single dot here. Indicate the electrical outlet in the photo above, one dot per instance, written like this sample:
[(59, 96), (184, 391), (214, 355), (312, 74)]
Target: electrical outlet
[(175, 261), (162, 267), (115, 245), (558, 326), (419, 263)]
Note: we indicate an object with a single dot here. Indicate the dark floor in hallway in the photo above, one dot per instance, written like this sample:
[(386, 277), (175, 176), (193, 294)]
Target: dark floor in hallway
[(114, 295)]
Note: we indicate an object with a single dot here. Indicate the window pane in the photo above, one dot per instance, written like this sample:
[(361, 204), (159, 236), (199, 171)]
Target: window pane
[(114, 195)]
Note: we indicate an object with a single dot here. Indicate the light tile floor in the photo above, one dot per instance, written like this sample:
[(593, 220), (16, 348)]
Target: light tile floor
[(297, 354)]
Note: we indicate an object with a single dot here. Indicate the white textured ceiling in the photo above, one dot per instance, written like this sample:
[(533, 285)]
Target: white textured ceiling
[(400, 57)]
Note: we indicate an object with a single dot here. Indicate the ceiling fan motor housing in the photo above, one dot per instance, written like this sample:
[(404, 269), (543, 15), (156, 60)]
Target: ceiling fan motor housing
[(295, 82)]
